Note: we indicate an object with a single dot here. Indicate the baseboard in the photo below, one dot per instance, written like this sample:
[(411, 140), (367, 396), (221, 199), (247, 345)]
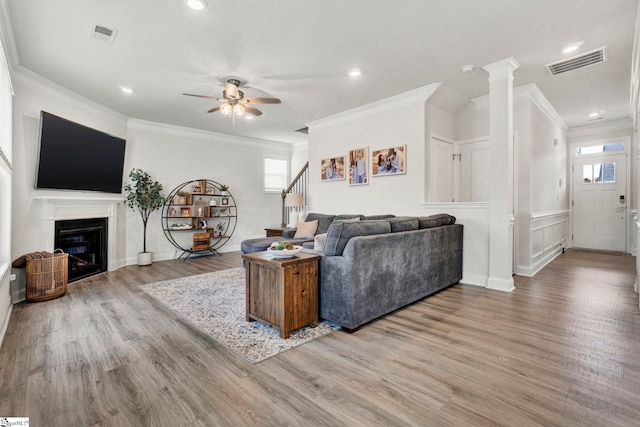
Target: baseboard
[(531, 270), (5, 323), (474, 279), (499, 284)]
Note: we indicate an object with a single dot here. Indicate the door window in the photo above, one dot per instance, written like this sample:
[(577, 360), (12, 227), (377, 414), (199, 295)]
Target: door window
[(599, 173)]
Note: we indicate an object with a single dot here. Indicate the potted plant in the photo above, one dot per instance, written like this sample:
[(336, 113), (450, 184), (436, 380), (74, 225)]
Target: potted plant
[(144, 196), (223, 189)]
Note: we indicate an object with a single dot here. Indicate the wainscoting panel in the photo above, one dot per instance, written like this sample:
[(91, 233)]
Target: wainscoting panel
[(548, 235)]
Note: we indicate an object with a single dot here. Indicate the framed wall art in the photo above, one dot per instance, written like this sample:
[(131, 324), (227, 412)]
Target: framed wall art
[(224, 201), (389, 161), (332, 169), (358, 166)]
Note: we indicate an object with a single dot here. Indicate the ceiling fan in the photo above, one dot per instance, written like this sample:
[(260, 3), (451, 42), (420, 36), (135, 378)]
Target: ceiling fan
[(234, 103)]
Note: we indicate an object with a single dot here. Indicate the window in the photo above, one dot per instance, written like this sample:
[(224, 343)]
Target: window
[(601, 148), (599, 173), (275, 174)]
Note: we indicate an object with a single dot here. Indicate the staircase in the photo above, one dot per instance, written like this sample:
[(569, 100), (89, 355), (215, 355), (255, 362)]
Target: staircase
[(300, 184)]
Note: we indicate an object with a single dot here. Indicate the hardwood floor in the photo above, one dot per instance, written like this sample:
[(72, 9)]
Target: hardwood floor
[(562, 349)]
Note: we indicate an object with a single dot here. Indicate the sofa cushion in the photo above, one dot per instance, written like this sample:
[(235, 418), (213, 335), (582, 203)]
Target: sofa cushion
[(403, 223), (341, 232), (435, 220), (306, 229), (348, 216), (373, 217), (324, 221)]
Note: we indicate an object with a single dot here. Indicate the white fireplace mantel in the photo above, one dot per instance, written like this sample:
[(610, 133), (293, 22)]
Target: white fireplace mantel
[(60, 207)]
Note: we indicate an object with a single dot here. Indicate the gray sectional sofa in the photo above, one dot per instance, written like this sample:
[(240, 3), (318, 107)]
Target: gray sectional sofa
[(371, 266)]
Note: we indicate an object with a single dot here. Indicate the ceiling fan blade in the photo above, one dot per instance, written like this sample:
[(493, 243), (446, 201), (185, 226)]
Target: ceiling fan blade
[(262, 100), (214, 109), (252, 110), (201, 96)]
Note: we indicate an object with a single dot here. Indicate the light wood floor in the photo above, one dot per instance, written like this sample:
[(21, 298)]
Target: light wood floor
[(562, 349)]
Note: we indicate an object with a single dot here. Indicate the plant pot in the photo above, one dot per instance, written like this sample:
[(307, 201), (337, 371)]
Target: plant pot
[(182, 200), (145, 258)]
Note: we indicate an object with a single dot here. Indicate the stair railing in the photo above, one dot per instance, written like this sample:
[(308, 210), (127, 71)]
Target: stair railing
[(300, 184)]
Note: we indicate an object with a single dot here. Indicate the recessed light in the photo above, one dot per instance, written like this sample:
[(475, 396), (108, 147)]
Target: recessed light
[(197, 4), (594, 114), (467, 68), (248, 117), (126, 89), (572, 47), (355, 72)]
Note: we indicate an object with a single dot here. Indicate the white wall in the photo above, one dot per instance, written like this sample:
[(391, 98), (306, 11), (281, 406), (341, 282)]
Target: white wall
[(32, 94), (399, 194), (182, 154)]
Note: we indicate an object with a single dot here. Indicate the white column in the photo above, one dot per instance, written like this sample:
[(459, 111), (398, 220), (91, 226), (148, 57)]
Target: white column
[(501, 190)]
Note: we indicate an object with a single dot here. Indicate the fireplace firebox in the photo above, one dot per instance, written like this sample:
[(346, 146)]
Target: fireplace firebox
[(85, 240)]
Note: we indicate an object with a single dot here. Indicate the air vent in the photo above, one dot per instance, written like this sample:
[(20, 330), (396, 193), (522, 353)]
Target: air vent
[(579, 61), (100, 32)]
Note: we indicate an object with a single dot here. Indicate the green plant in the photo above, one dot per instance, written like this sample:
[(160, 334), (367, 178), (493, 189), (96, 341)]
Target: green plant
[(144, 196), (224, 187), (182, 193)]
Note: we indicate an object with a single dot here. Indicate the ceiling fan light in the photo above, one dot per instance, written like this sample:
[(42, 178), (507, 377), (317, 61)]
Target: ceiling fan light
[(226, 110), (238, 110)]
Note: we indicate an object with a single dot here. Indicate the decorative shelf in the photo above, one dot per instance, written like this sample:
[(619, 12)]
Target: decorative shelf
[(219, 221)]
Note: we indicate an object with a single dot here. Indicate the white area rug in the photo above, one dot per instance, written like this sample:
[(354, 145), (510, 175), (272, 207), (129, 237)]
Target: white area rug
[(215, 304)]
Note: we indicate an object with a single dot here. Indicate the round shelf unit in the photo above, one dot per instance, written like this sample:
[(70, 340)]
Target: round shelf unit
[(198, 217)]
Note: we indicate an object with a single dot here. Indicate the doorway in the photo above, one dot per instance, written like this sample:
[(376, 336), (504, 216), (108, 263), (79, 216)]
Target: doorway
[(600, 199)]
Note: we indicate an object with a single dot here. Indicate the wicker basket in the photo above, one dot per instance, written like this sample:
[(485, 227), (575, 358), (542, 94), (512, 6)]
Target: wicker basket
[(47, 277)]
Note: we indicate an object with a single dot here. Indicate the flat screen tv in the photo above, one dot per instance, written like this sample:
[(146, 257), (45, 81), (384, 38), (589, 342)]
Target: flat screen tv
[(75, 157)]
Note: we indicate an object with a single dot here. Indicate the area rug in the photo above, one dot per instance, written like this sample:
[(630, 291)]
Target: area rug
[(215, 303)]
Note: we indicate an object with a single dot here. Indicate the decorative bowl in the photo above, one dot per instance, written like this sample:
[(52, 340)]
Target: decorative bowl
[(284, 253)]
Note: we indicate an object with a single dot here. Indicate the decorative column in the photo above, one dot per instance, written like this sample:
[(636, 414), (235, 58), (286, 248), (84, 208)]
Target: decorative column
[(501, 190)]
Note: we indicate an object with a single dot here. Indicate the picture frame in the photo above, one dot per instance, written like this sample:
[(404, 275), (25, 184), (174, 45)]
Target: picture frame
[(185, 212), (389, 161), (196, 189), (359, 166), (224, 201), (333, 169)]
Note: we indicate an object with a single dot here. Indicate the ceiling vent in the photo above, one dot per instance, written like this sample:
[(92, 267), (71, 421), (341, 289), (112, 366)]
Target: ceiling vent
[(579, 61), (100, 32)]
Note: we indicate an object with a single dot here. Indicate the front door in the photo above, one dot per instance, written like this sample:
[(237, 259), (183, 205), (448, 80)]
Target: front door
[(599, 202)]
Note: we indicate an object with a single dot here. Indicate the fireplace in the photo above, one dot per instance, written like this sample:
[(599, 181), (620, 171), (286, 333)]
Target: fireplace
[(85, 240)]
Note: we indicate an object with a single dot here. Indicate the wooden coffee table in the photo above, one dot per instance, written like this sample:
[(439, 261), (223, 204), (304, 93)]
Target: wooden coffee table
[(282, 292)]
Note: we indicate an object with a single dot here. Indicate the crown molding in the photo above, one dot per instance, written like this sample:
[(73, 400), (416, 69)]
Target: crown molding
[(37, 82), (205, 135), (303, 145), (612, 126), (524, 93), (407, 98), (7, 38)]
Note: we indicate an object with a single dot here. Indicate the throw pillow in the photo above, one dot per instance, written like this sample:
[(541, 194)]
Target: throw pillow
[(306, 229), (324, 221), (318, 242)]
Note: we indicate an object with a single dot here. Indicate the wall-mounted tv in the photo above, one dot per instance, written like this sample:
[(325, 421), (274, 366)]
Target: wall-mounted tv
[(75, 157)]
